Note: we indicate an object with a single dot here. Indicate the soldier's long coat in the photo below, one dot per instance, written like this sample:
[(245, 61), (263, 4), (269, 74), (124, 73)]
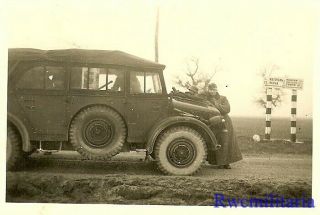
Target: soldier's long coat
[(230, 152)]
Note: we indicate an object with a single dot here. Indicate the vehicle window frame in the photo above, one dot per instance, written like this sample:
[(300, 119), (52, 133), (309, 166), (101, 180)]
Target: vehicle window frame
[(26, 66), (145, 71), (93, 91)]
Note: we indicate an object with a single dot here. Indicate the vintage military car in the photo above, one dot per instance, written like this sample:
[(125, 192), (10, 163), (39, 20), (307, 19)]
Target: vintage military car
[(101, 103)]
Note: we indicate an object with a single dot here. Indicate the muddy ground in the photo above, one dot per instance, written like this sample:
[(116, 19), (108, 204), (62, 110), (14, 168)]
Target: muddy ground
[(128, 179)]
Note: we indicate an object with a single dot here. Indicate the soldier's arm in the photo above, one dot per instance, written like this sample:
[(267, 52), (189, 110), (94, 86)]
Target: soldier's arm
[(222, 105)]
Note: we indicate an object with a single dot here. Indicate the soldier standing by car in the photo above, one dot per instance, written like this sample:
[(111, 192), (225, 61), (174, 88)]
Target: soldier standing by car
[(229, 152)]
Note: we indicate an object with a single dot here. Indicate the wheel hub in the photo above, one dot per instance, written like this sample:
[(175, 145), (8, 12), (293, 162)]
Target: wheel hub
[(98, 133), (181, 153)]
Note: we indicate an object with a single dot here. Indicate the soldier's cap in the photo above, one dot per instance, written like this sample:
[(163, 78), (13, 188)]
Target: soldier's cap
[(212, 86), (193, 89)]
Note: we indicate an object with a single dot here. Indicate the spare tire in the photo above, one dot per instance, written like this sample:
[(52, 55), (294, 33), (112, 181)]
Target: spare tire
[(98, 133)]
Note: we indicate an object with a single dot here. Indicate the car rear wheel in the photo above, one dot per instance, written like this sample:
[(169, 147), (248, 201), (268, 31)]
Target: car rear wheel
[(98, 133), (14, 151), (180, 151)]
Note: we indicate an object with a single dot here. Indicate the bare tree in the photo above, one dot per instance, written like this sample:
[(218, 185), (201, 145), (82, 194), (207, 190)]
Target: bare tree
[(194, 77), (277, 98), (207, 78)]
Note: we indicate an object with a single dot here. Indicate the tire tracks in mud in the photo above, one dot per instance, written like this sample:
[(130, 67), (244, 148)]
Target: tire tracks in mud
[(130, 189), (130, 180)]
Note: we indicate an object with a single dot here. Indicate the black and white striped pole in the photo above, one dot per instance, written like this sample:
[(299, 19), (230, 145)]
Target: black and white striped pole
[(287, 83), (268, 113), (293, 129)]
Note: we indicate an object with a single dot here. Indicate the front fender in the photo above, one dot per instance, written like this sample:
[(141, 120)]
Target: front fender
[(158, 128), (26, 146)]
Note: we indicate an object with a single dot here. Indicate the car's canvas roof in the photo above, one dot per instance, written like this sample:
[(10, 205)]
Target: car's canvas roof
[(109, 57)]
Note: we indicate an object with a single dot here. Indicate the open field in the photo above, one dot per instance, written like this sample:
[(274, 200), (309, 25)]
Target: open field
[(280, 127), (247, 127), (248, 146)]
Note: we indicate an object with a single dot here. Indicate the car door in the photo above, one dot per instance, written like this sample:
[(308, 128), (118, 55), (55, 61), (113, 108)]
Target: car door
[(41, 93), (147, 103)]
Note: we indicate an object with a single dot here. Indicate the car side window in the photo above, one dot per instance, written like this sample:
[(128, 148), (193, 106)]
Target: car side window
[(145, 82), (153, 83), (32, 79), (54, 78), (115, 80), (42, 77), (136, 82), (100, 79)]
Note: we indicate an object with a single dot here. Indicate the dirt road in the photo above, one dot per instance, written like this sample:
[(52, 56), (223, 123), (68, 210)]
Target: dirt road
[(128, 179)]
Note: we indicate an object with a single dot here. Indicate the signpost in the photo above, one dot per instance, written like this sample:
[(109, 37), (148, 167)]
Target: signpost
[(274, 82), (287, 83), (293, 83)]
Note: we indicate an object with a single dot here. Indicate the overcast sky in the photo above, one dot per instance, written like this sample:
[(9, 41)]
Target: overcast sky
[(239, 36)]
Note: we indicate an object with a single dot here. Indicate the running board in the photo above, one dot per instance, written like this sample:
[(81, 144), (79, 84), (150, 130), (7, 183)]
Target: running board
[(48, 151)]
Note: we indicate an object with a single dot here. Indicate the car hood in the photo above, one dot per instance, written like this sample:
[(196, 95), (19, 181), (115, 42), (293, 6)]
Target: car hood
[(196, 109)]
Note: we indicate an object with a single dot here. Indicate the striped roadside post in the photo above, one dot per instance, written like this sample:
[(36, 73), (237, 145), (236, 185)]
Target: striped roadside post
[(268, 114), (293, 129)]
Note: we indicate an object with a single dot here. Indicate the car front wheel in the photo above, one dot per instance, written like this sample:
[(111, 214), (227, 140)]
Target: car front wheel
[(180, 151)]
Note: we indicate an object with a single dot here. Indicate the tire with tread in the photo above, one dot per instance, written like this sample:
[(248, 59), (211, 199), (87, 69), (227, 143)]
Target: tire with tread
[(196, 147), (14, 155), (95, 118)]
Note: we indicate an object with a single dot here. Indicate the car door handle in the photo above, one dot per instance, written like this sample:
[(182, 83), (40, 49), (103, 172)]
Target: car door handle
[(29, 103), (31, 107)]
